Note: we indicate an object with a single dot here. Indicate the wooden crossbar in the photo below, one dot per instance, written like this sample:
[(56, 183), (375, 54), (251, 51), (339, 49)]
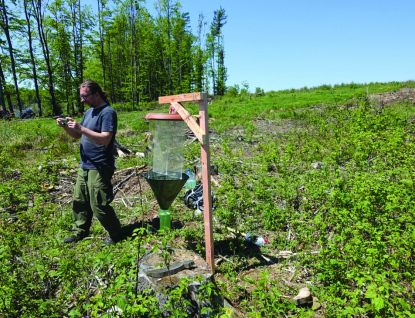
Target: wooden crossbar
[(190, 97)]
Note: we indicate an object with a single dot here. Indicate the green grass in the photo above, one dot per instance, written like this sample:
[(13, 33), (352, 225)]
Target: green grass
[(233, 111), (350, 220)]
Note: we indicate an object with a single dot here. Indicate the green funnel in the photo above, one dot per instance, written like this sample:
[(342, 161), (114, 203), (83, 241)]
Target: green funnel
[(165, 187)]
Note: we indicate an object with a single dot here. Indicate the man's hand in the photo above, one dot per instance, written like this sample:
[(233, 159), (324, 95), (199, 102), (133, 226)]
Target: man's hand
[(73, 124), (75, 130), (62, 121)]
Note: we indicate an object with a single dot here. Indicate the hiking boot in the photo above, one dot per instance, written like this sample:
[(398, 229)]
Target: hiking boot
[(110, 241), (71, 239), (74, 238)]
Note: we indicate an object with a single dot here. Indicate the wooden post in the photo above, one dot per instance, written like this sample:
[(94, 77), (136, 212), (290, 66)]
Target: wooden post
[(207, 197), (202, 133)]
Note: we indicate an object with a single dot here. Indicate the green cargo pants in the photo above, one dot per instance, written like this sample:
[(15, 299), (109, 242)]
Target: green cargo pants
[(92, 196)]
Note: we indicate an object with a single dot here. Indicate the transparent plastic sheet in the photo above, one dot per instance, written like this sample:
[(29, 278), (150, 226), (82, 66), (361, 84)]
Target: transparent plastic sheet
[(166, 147)]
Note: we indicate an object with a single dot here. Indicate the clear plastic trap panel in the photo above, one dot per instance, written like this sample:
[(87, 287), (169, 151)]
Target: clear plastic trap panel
[(166, 148)]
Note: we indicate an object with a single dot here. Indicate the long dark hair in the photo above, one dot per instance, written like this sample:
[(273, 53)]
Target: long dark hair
[(95, 88)]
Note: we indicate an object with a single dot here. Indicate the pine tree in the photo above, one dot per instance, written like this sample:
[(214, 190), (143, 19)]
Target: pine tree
[(217, 53), (200, 58)]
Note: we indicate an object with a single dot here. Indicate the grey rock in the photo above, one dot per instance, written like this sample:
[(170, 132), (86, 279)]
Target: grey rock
[(317, 165)]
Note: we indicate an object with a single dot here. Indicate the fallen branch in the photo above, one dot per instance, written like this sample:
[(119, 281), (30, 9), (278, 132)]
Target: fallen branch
[(288, 254), (120, 148), (123, 181), (218, 261), (225, 259), (130, 168), (266, 258), (126, 198), (215, 182)]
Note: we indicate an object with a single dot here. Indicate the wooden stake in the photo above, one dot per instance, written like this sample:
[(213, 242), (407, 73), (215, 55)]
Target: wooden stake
[(207, 197)]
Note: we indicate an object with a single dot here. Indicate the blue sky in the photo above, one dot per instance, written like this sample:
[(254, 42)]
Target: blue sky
[(279, 45)]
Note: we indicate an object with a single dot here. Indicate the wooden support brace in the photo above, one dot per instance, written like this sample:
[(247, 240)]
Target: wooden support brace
[(191, 122)]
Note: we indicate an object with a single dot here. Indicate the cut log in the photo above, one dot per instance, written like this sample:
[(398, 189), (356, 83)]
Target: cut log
[(157, 278), (121, 150)]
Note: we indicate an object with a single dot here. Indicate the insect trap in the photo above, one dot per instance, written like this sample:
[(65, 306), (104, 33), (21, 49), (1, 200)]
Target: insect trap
[(165, 161), (166, 175)]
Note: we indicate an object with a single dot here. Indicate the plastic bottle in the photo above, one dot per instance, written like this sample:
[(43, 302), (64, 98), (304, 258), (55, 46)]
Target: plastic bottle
[(255, 239), (164, 219), (191, 182)]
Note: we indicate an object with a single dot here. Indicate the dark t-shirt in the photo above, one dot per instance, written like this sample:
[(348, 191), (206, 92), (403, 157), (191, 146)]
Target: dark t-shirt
[(93, 155)]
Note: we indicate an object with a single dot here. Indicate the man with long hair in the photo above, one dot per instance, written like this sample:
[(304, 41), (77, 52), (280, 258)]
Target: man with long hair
[(93, 189)]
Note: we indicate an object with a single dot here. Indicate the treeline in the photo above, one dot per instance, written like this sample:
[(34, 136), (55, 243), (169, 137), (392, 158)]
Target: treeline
[(47, 49)]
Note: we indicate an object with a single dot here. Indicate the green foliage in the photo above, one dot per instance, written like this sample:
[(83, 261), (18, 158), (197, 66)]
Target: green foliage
[(325, 168), (135, 57), (267, 300), (367, 199), (233, 91), (356, 209)]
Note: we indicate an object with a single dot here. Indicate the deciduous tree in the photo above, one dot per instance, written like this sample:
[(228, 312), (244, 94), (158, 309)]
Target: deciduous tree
[(43, 33), (3, 84), (4, 23), (28, 13)]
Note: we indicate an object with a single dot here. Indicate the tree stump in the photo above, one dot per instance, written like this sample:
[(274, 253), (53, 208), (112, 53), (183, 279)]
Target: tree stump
[(160, 280)]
